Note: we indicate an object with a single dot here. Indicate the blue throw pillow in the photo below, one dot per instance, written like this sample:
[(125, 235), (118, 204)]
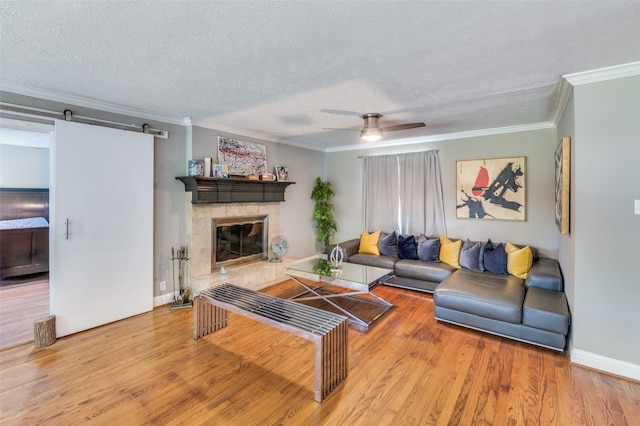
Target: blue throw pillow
[(495, 258), (407, 247), (470, 255), (388, 244), (428, 250)]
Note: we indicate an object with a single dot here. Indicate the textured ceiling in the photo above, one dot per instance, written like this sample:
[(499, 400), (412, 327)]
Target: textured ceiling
[(288, 69)]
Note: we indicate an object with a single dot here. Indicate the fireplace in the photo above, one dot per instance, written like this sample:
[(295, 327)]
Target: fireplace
[(211, 198), (239, 239), (200, 225)]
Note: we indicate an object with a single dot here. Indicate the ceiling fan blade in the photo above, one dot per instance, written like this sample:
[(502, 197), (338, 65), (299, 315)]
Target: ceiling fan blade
[(402, 127), (341, 112), (333, 128)]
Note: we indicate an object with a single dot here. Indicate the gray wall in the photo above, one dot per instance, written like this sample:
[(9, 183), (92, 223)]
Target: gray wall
[(605, 229), (304, 166), (345, 170), (566, 243)]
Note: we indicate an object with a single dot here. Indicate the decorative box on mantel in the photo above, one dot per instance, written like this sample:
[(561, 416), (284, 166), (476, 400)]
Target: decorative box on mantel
[(219, 190)]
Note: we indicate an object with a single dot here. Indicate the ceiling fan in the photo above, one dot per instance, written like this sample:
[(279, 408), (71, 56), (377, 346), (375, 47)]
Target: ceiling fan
[(372, 132)]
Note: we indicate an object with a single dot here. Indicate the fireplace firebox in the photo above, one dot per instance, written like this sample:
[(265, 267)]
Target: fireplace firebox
[(238, 240)]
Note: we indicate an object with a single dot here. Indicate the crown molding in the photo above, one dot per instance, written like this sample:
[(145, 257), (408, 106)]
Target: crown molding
[(207, 124), (50, 95), (603, 74), (561, 102), (587, 77), (447, 136)]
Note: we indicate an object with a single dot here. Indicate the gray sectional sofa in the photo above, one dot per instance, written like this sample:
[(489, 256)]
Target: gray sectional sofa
[(533, 310)]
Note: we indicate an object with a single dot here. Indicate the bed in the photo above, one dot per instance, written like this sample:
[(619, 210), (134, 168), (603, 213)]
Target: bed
[(24, 231)]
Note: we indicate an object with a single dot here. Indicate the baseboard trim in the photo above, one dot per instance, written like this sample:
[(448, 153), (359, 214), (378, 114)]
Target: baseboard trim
[(163, 299), (608, 365)]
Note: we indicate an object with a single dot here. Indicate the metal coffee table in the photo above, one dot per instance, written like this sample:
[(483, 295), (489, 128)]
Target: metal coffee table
[(347, 288)]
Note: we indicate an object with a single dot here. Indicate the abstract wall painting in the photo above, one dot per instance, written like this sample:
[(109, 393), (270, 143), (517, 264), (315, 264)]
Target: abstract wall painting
[(491, 189), (243, 158), (563, 173)]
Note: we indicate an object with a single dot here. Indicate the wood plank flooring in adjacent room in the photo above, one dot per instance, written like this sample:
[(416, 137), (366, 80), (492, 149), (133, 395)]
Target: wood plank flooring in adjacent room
[(407, 369), (21, 303)]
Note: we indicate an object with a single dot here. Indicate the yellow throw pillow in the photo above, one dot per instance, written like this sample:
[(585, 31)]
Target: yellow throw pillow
[(519, 261), (369, 243), (450, 252)]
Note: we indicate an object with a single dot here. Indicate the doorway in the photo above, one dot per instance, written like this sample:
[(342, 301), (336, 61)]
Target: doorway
[(24, 291)]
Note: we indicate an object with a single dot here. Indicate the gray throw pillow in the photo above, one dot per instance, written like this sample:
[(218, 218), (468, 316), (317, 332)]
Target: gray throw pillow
[(428, 249), (470, 256), (388, 244)]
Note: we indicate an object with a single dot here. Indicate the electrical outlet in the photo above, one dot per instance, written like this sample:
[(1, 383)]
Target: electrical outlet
[(163, 285)]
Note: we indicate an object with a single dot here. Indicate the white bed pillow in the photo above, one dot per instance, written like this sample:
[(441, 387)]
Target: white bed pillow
[(30, 222)]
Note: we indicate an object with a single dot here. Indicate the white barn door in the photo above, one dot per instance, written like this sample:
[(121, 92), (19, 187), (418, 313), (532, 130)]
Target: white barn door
[(102, 182)]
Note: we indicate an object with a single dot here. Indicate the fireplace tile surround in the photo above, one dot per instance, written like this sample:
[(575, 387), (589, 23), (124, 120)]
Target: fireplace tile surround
[(255, 275)]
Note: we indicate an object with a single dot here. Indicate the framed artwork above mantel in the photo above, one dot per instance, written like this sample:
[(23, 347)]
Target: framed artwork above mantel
[(243, 158)]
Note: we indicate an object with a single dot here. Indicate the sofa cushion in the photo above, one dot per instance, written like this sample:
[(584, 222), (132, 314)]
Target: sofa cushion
[(450, 251), (495, 258), (546, 309), (348, 247), (487, 295), (369, 243), (545, 273), (412, 284), (519, 260), (420, 270), (407, 247), (470, 256), (428, 249), (373, 260), (388, 244)]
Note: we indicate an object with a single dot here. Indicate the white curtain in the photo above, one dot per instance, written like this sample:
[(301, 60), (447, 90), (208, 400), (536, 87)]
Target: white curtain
[(380, 189), (420, 192), (404, 193)]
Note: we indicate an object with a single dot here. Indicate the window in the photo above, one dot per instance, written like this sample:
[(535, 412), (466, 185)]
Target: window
[(403, 192)]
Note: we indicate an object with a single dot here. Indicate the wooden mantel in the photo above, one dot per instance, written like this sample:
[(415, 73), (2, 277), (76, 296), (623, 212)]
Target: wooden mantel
[(218, 190)]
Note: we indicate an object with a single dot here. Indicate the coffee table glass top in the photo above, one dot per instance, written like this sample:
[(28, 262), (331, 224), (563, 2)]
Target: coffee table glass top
[(345, 289), (349, 275)]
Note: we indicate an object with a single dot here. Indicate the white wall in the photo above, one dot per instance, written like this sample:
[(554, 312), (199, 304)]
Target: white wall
[(606, 231), (304, 166), (345, 171), (23, 166)]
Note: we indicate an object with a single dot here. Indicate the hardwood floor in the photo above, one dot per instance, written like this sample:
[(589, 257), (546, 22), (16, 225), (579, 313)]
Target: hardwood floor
[(407, 369), (22, 301)]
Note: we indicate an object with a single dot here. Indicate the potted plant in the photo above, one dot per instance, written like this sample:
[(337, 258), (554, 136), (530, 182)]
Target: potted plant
[(323, 214)]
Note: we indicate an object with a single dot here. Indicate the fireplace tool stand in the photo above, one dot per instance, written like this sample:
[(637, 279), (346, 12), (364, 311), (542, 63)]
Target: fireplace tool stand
[(183, 295)]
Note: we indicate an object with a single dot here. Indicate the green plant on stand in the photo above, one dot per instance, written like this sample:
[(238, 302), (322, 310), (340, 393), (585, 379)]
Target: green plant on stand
[(323, 214)]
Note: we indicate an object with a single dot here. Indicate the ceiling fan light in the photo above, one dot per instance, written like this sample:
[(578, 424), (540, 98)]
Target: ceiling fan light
[(371, 134)]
